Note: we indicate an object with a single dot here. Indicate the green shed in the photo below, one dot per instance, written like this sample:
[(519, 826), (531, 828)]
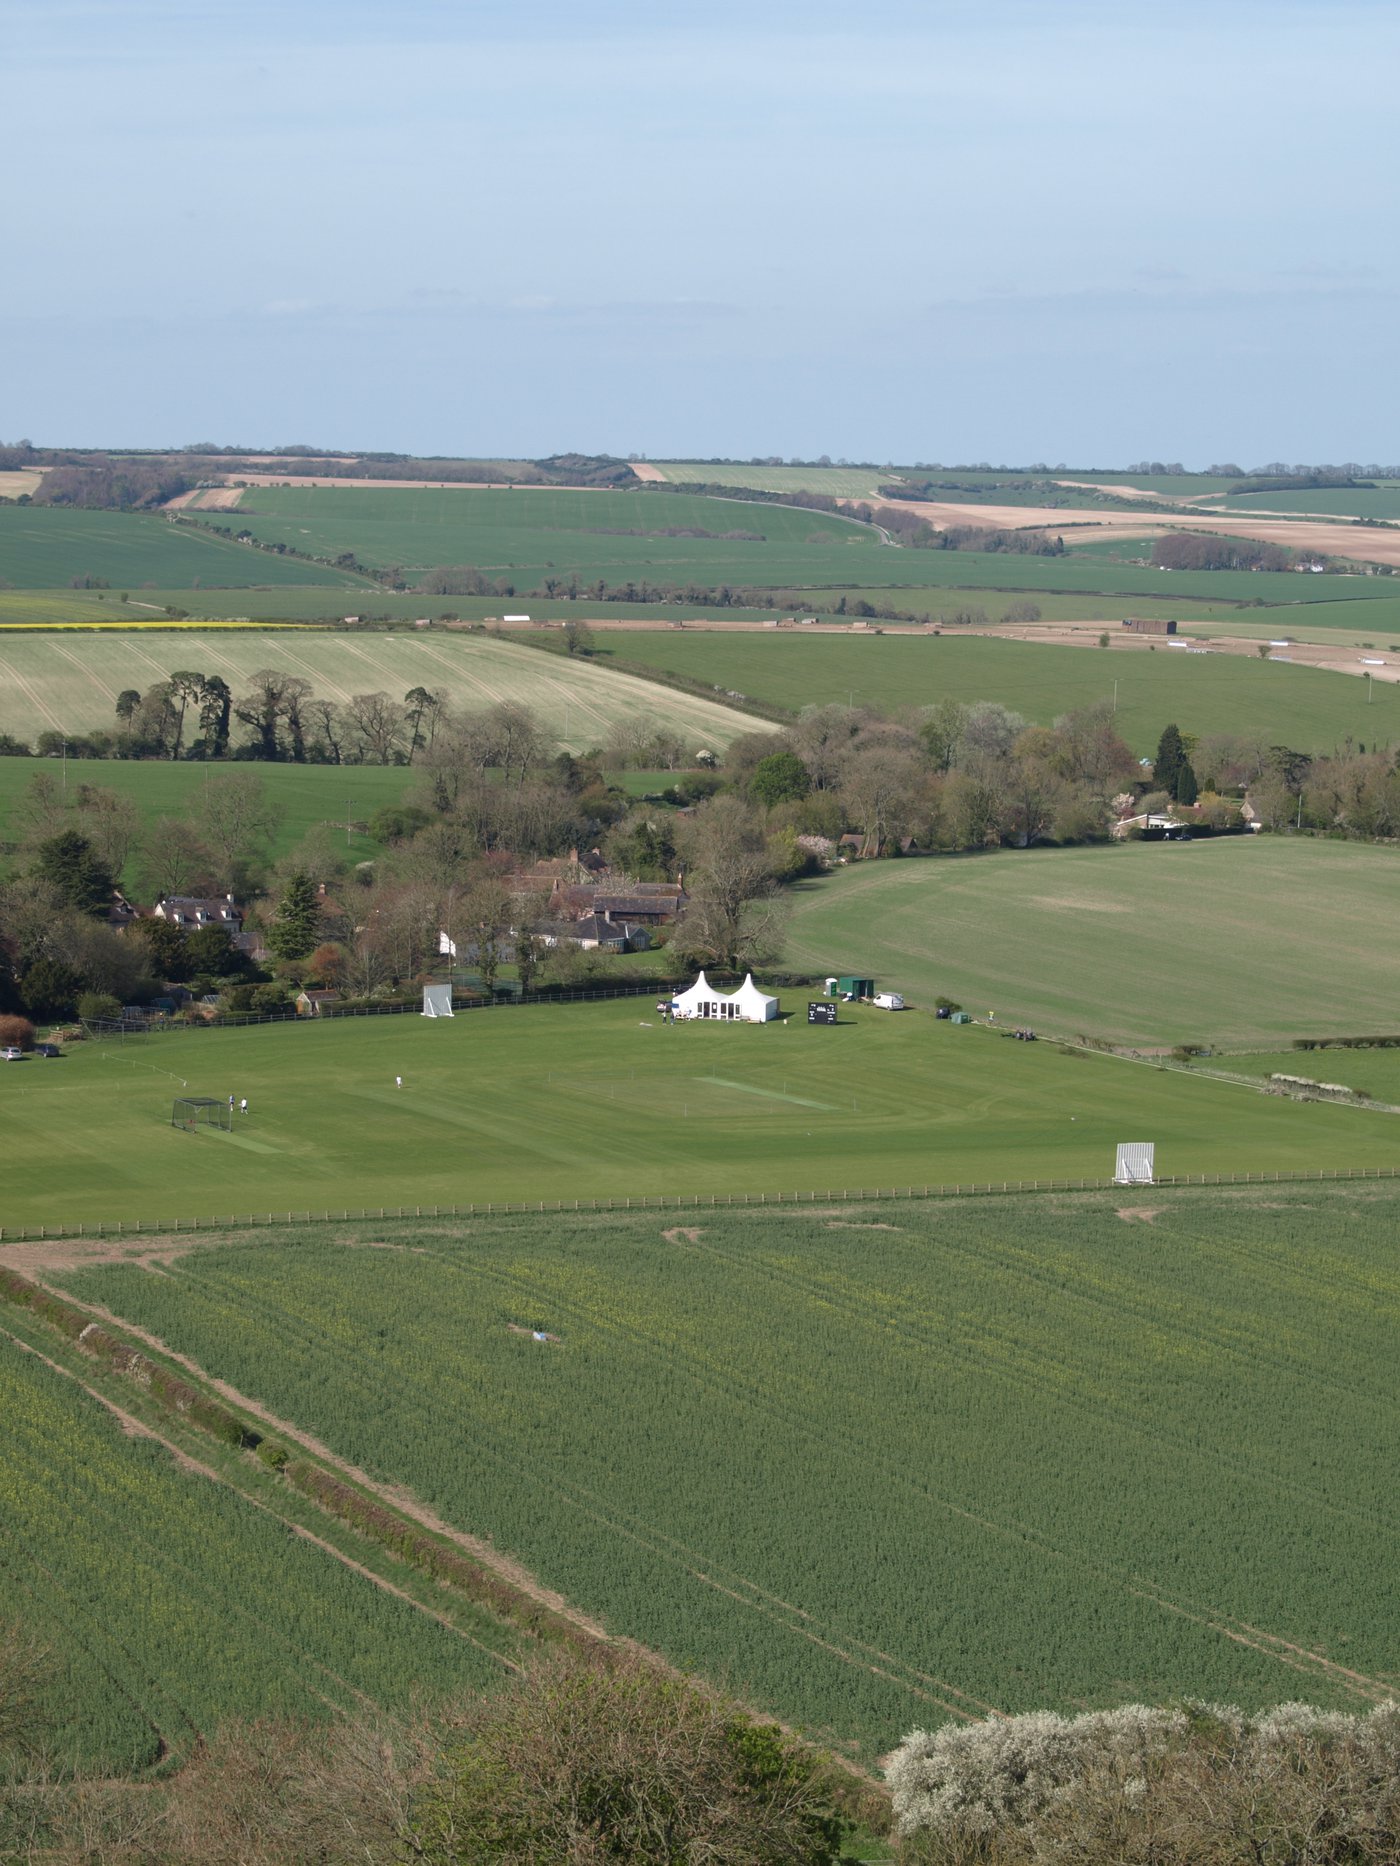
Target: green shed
[(850, 988), (961, 1017)]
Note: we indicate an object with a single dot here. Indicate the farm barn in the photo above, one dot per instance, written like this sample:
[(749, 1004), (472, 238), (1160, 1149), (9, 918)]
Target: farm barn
[(747, 1005), (1149, 625)]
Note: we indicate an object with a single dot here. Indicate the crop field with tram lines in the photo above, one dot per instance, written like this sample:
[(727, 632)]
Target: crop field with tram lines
[(169, 1603), (876, 1466), (70, 684)]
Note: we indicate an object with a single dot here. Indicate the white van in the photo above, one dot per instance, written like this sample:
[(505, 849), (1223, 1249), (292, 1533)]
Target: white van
[(888, 1001)]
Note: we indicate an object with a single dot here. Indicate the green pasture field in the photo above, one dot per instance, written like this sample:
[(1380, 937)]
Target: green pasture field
[(603, 1100), (526, 536), (323, 604), (1382, 502), (306, 795), (1374, 1073), (70, 683), (878, 1466), (170, 1603), (44, 546), (1246, 939), (1299, 706)]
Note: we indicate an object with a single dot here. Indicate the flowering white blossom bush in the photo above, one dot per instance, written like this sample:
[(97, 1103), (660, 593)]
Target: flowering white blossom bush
[(1203, 1785)]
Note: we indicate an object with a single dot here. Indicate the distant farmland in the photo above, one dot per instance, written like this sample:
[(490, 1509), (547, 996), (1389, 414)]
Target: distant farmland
[(1243, 941), (46, 546), (1299, 706), (527, 536), (840, 482), (71, 683)]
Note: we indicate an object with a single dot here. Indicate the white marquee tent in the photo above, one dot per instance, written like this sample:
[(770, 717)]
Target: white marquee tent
[(747, 1005)]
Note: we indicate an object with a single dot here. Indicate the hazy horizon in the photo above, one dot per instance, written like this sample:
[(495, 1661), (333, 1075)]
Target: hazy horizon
[(948, 232)]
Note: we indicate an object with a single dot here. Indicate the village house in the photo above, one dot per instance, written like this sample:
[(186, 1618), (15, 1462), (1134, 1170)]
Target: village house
[(189, 911)]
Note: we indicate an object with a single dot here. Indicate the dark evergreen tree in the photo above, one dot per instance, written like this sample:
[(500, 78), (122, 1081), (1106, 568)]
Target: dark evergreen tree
[(50, 990), (1187, 789), (215, 706), (297, 929), (1171, 755), (68, 862), (169, 959)]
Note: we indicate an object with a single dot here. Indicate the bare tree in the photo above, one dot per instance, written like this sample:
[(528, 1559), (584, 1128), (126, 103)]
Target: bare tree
[(327, 724), (237, 818), (378, 724), (174, 860), (879, 782), (731, 919), (261, 709)]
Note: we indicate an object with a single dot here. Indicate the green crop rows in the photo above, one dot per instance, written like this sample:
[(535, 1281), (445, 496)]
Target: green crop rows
[(46, 546), (526, 536), (171, 1603), (879, 1466)]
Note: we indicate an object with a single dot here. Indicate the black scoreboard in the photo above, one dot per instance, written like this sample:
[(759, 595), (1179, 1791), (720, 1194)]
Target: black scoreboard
[(821, 1011)]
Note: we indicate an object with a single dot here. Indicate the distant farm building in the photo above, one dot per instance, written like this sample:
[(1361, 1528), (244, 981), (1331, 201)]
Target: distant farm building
[(1149, 625)]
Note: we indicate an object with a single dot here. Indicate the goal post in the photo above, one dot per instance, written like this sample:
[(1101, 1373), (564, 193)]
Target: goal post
[(192, 1111)]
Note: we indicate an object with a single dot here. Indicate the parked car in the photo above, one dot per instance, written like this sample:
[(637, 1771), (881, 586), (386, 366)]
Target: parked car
[(11, 1053), (47, 1049)]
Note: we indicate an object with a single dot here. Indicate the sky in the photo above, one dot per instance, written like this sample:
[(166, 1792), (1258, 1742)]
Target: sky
[(919, 231)]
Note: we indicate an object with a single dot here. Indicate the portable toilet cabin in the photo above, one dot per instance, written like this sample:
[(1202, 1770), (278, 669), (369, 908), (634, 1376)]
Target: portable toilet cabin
[(850, 987)]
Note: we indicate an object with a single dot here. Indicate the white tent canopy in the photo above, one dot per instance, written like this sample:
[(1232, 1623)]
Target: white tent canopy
[(747, 1005)]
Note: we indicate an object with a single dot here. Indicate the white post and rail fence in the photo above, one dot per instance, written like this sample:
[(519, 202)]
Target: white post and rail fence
[(678, 1202)]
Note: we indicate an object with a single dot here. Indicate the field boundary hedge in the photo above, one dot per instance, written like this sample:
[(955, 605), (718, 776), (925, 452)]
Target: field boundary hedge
[(681, 1202)]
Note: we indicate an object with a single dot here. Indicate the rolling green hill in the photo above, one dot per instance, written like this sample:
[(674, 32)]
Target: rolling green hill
[(1244, 940), (306, 795), (526, 536)]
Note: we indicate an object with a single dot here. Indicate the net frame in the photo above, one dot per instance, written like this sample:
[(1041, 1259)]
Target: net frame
[(192, 1111)]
